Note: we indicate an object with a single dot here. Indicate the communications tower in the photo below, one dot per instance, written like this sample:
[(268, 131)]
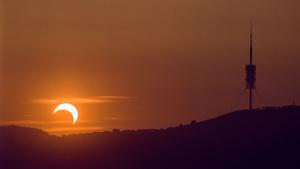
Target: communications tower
[(251, 72)]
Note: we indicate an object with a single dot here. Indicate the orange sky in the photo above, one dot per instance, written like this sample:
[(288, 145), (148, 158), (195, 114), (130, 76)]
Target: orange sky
[(148, 64)]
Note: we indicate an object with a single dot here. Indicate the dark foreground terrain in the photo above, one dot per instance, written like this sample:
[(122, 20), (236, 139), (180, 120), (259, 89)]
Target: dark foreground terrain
[(266, 138)]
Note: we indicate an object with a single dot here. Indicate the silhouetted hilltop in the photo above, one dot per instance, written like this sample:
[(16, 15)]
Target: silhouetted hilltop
[(264, 138)]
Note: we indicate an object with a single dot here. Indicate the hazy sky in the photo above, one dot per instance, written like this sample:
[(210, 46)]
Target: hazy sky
[(143, 63)]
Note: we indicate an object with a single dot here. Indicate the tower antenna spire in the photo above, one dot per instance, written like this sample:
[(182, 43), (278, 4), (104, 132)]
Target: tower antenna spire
[(251, 43), (251, 71)]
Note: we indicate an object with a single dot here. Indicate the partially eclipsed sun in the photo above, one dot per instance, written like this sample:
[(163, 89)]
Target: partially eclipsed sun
[(69, 108)]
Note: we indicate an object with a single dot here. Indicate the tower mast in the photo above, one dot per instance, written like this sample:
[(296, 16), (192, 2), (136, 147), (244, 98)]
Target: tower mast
[(251, 44), (251, 72)]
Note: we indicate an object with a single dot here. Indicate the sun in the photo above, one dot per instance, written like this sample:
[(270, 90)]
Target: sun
[(69, 108)]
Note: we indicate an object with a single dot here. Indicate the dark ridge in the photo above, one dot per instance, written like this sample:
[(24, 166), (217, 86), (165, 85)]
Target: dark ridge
[(264, 138)]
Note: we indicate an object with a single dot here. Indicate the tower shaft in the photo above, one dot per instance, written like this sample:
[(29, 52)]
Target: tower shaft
[(250, 99)]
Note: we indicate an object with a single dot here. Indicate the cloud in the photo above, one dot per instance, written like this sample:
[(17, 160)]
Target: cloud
[(86, 100), (46, 122), (69, 130), (33, 123)]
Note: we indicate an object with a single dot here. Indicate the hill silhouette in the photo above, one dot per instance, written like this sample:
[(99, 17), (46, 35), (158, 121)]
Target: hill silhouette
[(265, 138)]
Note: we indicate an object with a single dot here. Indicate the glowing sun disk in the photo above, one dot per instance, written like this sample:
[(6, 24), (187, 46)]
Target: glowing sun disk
[(69, 108)]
